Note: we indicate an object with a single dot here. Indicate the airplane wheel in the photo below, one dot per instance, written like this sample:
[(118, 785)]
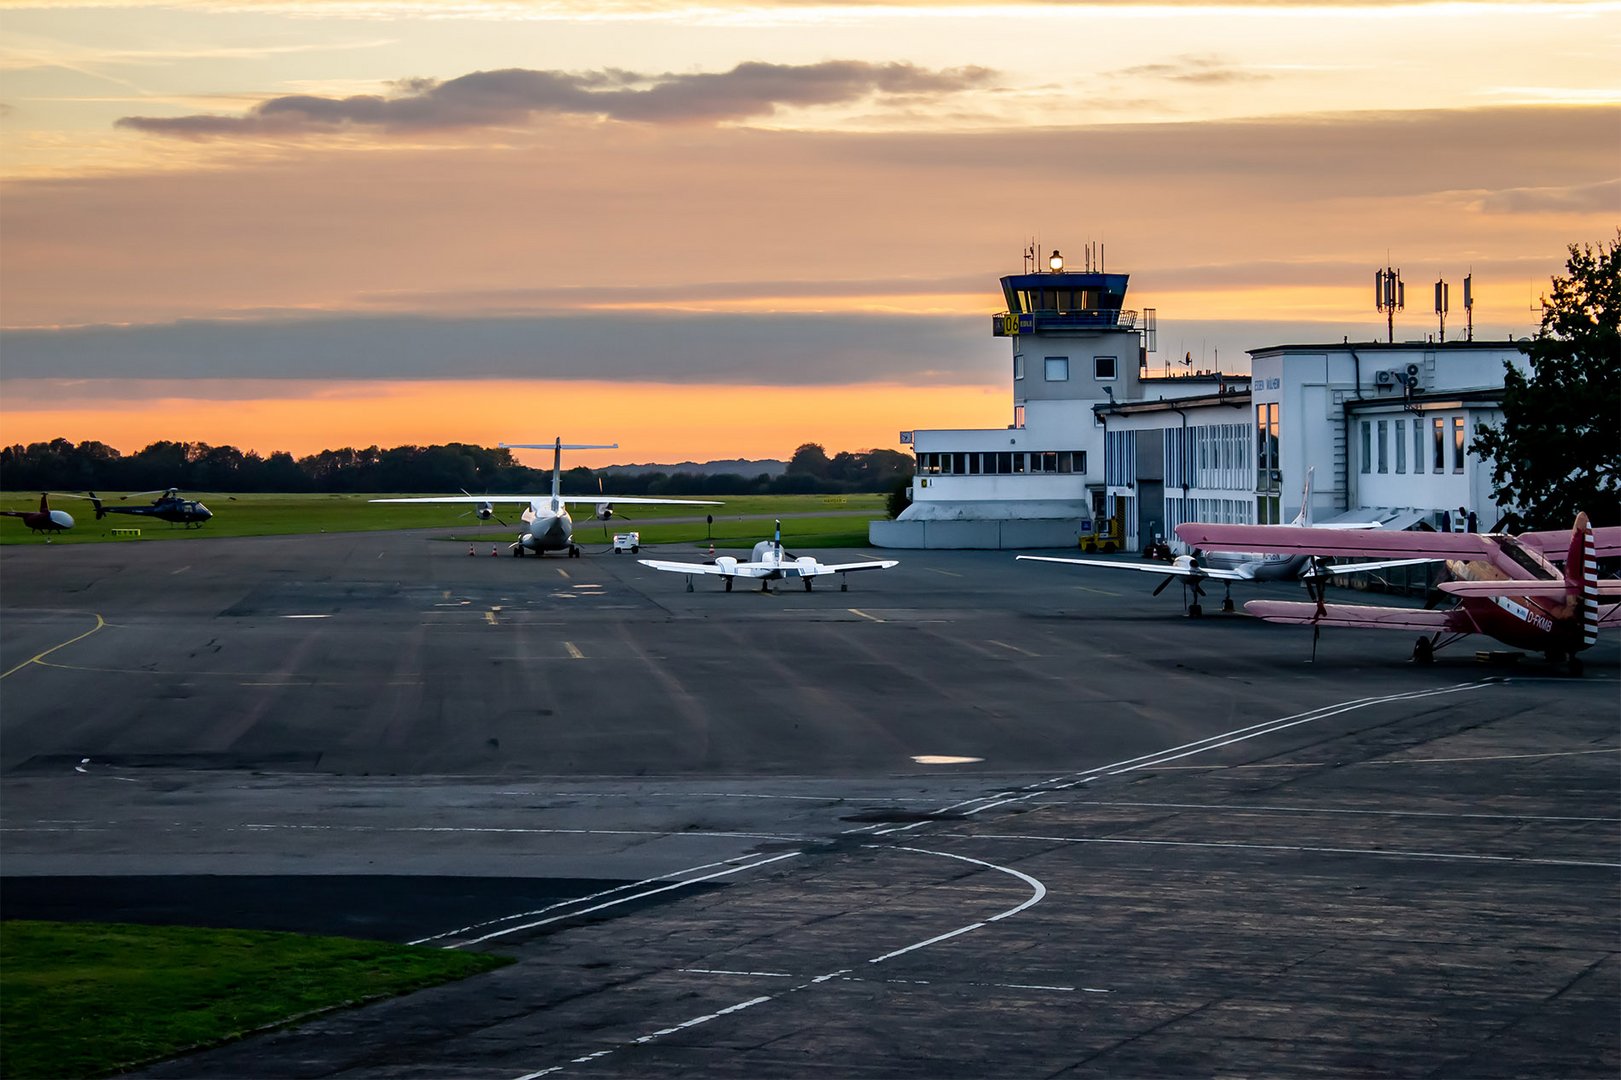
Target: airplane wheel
[(635, 549), (1195, 610), (728, 584), (517, 551), (1227, 605), (1423, 651), (807, 585), (573, 552)]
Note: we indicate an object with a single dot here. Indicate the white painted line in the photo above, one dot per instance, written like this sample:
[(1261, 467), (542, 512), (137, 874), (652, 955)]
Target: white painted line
[(573, 652), (947, 573), (1013, 648), (306, 616), (1038, 890), (182, 570), (1221, 807), (622, 900), (1491, 757), (863, 614), (1444, 856), (752, 974), (560, 570)]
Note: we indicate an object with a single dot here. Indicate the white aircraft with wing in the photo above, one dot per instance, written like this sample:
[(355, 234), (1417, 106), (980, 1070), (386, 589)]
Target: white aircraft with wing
[(1225, 567), (768, 563), (547, 521)]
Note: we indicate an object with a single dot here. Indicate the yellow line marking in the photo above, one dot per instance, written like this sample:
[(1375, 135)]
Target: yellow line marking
[(572, 651), (489, 617), (864, 615), (1100, 592), (445, 595), (560, 570), (100, 622)]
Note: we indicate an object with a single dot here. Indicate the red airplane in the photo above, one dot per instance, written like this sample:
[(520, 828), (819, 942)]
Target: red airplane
[(1508, 587), (44, 519)]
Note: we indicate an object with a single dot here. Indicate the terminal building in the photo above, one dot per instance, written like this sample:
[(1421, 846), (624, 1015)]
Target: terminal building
[(1097, 449)]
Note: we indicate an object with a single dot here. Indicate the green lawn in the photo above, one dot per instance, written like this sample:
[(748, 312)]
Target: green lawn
[(274, 514), (86, 999)]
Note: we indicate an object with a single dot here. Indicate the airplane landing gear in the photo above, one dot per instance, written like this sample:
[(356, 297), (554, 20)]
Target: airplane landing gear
[(728, 584), (1194, 610), (573, 551), (517, 551), (807, 585), (1423, 651)]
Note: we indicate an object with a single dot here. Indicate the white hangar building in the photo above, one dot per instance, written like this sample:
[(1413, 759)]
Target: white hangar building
[(1384, 428)]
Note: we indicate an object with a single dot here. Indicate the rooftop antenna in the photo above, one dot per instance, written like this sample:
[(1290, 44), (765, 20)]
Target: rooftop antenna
[(1443, 298), (1389, 297), (1469, 303)]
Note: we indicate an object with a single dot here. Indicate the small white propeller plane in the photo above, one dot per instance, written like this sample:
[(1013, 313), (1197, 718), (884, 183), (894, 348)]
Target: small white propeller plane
[(769, 563), (548, 526), (1223, 566)]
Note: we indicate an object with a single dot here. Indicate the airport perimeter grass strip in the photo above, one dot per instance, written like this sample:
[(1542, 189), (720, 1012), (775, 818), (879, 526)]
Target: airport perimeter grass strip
[(269, 514), (88, 999)]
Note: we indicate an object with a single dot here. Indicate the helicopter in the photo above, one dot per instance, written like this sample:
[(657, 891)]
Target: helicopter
[(45, 520), (168, 506)]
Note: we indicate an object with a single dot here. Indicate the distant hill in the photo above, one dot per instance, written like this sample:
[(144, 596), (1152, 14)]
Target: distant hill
[(737, 466)]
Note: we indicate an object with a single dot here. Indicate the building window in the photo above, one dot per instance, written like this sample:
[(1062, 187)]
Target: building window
[(1457, 444), (1056, 369), (1401, 446), (1018, 463), (1439, 460), (1105, 368), (1384, 461), (1367, 446), (1268, 472), (1018, 366), (1418, 445), (1018, 416)]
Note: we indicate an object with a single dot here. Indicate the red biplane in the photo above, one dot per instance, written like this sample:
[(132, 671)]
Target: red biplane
[(1508, 587)]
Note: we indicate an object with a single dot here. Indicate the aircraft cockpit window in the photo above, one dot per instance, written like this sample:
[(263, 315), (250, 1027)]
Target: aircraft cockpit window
[(1511, 547)]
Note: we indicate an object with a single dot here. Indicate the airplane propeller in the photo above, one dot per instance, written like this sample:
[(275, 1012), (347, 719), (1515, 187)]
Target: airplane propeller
[(485, 510)]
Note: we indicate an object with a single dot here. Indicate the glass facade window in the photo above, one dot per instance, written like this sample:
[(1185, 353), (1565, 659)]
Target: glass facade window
[(1418, 445), (1401, 446), (1056, 369), (1383, 431), (1367, 446), (1018, 416), (1439, 460), (1105, 368), (1268, 471), (1457, 444), (1018, 366)]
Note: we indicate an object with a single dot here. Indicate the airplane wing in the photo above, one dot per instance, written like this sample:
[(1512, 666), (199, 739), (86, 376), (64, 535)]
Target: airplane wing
[(1548, 589), (1555, 544), (1362, 616), (635, 500), (842, 568), (1163, 569), (1380, 564), (469, 499), (1291, 540), (743, 570)]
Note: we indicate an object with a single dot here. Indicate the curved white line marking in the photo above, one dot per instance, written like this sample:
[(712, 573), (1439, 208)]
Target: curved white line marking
[(1038, 890)]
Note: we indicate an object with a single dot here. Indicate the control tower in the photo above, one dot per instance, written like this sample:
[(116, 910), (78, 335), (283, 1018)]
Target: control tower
[(1039, 481)]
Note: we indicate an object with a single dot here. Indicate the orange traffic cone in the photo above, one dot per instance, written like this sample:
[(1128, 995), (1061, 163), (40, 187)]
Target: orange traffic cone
[(493, 551), (470, 550), (712, 547)]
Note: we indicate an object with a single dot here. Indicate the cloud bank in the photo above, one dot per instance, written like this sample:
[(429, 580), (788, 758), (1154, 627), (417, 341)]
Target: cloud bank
[(514, 95)]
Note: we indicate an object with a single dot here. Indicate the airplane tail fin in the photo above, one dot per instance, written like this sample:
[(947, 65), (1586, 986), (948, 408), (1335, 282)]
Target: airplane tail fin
[(1581, 577), (557, 447), (1303, 519)]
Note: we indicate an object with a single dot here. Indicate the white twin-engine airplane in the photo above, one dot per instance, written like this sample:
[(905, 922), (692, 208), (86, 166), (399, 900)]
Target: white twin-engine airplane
[(549, 527), (769, 563), (1225, 567)]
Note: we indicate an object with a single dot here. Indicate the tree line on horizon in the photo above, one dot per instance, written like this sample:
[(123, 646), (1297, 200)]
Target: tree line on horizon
[(61, 465)]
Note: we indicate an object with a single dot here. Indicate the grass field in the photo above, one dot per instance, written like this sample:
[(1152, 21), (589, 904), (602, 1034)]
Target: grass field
[(739, 522), (87, 999)]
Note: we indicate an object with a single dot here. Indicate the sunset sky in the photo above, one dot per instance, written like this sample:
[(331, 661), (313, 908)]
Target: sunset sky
[(720, 229)]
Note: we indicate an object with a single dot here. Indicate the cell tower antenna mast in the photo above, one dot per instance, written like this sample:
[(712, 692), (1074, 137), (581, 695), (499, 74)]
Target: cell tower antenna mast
[(1389, 297), (1443, 299), (1469, 304)]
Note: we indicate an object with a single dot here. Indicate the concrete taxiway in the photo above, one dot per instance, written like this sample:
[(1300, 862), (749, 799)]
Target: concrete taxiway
[(970, 817)]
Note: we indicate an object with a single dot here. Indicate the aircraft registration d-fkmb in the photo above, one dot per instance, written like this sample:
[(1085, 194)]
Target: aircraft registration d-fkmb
[(768, 563), (547, 521), (1223, 566), (1508, 587)]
